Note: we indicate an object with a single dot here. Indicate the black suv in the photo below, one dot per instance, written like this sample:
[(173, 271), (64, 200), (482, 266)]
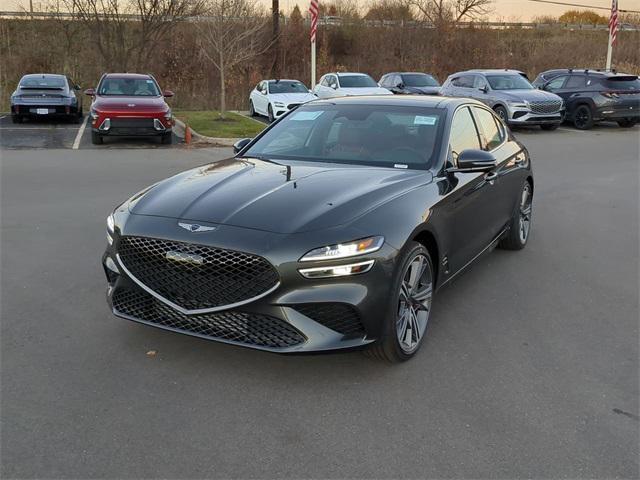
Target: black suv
[(410, 83), (594, 95)]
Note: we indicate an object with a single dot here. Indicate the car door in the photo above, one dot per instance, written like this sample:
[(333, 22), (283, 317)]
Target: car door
[(464, 86), (509, 171), (482, 92), (262, 101), (471, 201), (555, 85), (572, 89), (321, 89)]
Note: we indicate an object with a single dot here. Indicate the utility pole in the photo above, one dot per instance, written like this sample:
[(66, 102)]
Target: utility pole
[(275, 39)]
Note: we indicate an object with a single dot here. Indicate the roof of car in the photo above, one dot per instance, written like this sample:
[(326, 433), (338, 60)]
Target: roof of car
[(494, 70), (350, 73), (407, 73), (128, 75), (282, 80), (427, 101), (589, 71), (50, 75)]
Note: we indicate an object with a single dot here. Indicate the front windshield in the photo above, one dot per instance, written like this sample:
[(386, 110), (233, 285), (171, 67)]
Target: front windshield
[(144, 87), (375, 135), (509, 82), (356, 81), (419, 80), (284, 86), (42, 81)]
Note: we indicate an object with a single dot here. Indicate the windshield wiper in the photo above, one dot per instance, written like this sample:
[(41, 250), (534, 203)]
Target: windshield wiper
[(264, 159)]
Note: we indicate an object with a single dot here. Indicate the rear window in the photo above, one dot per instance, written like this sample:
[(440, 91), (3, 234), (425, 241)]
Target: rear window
[(42, 81), (622, 83)]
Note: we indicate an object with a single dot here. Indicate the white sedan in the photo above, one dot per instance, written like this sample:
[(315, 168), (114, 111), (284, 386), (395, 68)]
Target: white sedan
[(274, 98), (348, 84)]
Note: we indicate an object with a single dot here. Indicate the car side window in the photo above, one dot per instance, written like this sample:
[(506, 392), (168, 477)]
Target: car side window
[(576, 81), (464, 134), (397, 80), (324, 82), (383, 80), (556, 83), (479, 81), (491, 133), (333, 80)]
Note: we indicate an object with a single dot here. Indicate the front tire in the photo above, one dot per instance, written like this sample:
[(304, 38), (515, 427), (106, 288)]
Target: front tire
[(502, 113), (96, 138), (410, 306), (520, 225), (583, 117), (270, 114)]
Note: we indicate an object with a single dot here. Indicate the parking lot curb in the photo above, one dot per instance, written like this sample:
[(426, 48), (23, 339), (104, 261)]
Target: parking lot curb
[(199, 138)]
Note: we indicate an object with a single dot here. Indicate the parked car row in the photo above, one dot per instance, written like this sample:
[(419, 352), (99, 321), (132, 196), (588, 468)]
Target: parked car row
[(123, 104), (581, 97)]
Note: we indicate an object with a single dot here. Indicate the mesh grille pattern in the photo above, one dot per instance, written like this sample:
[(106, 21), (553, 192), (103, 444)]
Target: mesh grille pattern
[(552, 106), (247, 328), (196, 276), (340, 317)]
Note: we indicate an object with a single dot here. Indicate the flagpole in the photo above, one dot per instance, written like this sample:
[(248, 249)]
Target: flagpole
[(313, 63), (609, 51)]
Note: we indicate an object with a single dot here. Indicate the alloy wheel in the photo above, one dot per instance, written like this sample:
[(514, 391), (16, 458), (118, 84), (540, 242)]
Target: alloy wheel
[(525, 213), (414, 303), (582, 117)]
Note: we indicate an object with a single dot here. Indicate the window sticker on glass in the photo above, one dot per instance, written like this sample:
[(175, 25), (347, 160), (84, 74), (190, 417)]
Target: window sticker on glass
[(149, 81), (425, 120), (305, 116)]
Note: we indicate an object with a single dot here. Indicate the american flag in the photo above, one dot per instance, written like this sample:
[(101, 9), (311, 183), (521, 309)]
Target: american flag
[(314, 10), (613, 22)]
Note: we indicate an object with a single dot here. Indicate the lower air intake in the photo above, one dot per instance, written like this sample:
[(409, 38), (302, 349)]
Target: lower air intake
[(339, 317), (240, 327)]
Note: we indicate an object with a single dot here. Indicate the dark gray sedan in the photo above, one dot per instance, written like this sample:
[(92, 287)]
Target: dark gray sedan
[(45, 95)]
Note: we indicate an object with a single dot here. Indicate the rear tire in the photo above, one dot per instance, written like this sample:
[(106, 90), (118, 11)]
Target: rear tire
[(550, 126), (409, 308), (520, 225), (627, 122), (583, 117), (96, 138), (252, 111), (166, 138)]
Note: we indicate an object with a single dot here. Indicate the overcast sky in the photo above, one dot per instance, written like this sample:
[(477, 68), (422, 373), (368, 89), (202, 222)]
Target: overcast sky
[(522, 10)]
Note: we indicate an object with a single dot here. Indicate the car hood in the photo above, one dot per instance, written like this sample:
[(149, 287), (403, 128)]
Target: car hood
[(276, 198), (288, 98), (134, 103), (365, 91), (423, 90), (528, 95)]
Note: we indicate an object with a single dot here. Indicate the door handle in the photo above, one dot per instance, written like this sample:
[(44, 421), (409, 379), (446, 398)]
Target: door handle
[(491, 176)]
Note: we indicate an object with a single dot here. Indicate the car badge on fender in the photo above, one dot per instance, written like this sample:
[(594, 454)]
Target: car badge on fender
[(131, 104), (194, 227)]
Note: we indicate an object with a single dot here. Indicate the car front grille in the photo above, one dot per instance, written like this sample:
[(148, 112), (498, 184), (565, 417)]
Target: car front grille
[(546, 107), (239, 327), (339, 317), (131, 122), (196, 277)]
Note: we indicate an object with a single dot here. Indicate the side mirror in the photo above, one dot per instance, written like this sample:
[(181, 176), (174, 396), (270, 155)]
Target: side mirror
[(263, 92), (77, 87), (240, 144), (484, 89), (473, 160), (334, 86), (90, 91), (168, 93), (400, 85)]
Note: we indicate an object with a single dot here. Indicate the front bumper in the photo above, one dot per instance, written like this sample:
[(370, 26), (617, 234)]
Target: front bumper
[(524, 116), (300, 315), (129, 126)]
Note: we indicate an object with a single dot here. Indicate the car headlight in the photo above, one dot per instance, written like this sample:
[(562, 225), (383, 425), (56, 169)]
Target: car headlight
[(94, 115), (278, 104), (111, 225), (337, 270), (518, 103), (344, 250)]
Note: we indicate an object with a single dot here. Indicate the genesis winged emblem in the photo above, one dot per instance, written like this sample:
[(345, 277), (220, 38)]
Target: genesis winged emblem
[(194, 227)]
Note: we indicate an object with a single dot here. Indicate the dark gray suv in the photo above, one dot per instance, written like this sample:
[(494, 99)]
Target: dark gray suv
[(510, 95)]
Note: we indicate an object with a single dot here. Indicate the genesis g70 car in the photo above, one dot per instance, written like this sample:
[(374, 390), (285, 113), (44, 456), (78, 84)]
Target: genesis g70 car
[(332, 229)]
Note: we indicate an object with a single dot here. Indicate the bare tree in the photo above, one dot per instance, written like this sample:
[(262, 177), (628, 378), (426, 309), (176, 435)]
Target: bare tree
[(233, 32), (442, 12), (122, 29)]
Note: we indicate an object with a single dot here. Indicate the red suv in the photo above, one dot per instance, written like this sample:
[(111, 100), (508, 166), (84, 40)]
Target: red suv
[(129, 104)]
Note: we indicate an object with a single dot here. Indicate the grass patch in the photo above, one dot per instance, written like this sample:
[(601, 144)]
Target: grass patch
[(210, 124)]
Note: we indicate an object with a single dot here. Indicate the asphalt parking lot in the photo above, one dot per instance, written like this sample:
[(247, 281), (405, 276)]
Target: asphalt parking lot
[(36, 134), (530, 368)]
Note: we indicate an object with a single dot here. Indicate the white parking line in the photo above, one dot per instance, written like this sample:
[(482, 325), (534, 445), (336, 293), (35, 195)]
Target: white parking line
[(76, 142), (3, 116)]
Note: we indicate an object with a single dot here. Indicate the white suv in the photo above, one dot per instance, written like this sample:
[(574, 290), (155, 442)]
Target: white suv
[(348, 84)]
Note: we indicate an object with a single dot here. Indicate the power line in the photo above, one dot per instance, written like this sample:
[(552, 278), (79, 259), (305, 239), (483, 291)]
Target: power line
[(584, 6)]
